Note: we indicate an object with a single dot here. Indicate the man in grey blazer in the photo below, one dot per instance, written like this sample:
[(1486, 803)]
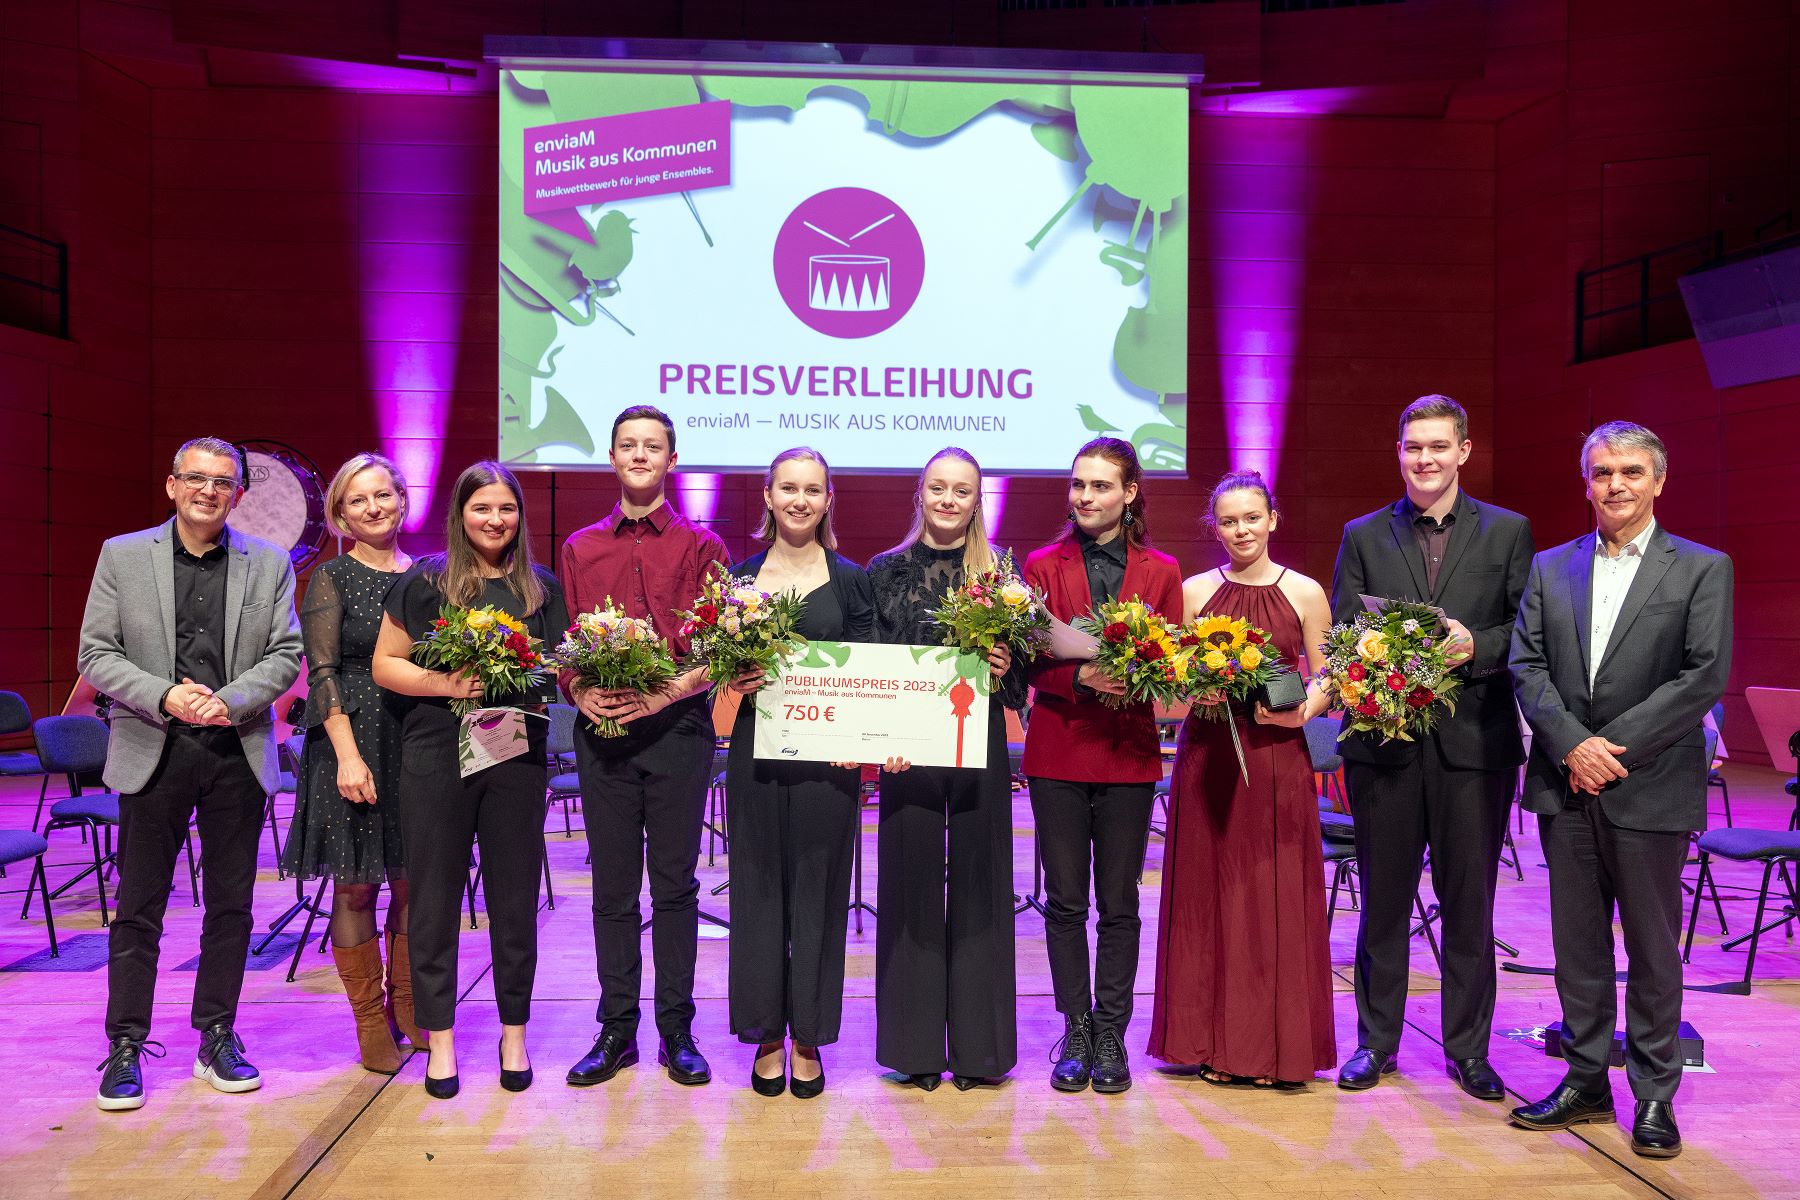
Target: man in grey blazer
[(1622, 645), (190, 628)]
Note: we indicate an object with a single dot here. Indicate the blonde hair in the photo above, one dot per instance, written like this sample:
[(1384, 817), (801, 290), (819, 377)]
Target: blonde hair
[(340, 483), (457, 571), (823, 533), (978, 550)]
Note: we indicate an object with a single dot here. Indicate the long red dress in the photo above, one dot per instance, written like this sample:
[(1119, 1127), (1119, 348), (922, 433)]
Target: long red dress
[(1243, 964)]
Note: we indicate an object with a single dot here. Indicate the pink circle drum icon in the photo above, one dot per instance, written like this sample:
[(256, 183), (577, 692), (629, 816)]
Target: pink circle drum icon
[(849, 262)]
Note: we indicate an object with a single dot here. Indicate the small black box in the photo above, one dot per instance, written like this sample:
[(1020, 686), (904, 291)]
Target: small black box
[(1693, 1048)]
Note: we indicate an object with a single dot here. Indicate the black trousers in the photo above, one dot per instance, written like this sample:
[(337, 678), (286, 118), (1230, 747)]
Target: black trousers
[(201, 774), (1595, 866), (944, 936), (442, 816), (792, 829), (643, 798), (1107, 825), (1461, 816)]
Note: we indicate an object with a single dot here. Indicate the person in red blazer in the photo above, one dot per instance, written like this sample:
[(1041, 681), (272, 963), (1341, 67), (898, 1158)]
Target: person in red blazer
[(1094, 769)]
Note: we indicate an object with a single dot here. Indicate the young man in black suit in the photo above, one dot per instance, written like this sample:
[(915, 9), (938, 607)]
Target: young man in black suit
[(1623, 643), (1450, 790)]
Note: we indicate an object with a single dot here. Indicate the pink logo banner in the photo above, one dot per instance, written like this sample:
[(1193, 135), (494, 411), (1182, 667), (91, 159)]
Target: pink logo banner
[(606, 159)]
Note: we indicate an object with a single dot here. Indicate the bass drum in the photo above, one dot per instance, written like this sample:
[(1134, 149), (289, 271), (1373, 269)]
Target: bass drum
[(284, 502)]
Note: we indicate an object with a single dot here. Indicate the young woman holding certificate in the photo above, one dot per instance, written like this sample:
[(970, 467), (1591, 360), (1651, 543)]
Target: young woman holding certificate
[(944, 938), (792, 823), (1094, 768), (1243, 968), (487, 561)]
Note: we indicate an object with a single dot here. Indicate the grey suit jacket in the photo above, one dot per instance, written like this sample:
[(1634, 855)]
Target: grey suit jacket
[(128, 646), (1664, 667)]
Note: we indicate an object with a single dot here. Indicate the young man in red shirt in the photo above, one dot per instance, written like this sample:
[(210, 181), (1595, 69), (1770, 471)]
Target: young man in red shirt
[(644, 795)]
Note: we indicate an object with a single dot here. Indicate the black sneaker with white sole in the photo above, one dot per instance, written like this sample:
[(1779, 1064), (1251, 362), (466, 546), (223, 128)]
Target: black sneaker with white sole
[(222, 1062), (121, 1075)]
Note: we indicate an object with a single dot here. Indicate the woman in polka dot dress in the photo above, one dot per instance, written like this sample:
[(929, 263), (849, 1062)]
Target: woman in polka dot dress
[(346, 812)]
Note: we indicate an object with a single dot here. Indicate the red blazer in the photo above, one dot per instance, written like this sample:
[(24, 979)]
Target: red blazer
[(1082, 740)]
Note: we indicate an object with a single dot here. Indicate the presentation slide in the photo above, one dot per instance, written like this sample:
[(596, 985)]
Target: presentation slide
[(873, 267)]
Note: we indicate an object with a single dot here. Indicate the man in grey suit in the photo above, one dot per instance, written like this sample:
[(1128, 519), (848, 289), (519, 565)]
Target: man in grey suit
[(1622, 645), (190, 628)]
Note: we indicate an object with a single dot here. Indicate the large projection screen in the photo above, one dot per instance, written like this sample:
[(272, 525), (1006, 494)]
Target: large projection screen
[(872, 260)]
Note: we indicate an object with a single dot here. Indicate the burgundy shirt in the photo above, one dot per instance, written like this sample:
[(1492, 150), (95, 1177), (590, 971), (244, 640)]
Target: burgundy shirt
[(652, 567)]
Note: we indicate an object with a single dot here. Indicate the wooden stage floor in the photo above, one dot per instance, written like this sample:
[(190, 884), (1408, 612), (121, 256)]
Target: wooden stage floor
[(323, 1127)]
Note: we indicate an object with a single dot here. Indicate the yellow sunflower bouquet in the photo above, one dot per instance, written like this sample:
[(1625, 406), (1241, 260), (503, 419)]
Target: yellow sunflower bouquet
[(488, 643), (1138, 647), (1232, 658)]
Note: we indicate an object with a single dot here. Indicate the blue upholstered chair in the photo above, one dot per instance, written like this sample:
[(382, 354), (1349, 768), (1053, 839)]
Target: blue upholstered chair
[(1775, 850), (15, 717), (75, 746), (17, 846)]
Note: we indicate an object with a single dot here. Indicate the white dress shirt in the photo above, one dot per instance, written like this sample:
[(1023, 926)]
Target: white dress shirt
[(1612, 579)]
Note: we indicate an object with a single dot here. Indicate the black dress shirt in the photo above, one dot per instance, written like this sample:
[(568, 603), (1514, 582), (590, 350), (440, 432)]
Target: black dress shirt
[(200, 615), (1434, 539), (1105, 564)]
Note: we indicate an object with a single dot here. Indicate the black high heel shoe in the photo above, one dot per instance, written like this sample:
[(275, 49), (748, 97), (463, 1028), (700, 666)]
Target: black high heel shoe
[(925, 1082), (808, 1089), (440, 1089), (767, 1085), (512, 1081), (965, 1083)]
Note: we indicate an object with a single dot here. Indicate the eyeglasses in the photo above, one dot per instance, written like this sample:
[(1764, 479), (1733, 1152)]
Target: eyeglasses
[(196, 482)]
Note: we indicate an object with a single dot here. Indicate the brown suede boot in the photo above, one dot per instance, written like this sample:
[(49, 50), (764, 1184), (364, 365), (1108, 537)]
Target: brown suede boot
[(360, 969), (399, 990)]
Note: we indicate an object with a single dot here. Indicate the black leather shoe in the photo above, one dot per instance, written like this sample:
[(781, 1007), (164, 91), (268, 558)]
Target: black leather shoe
[(1653, 1132), (1111, 1071), (1476, 1077), (808, 1089), (443, 1089), (1074, 1055), (1566, 1106), (513, 1081), (221, 1061), (121, 1078), (1365, 1069), (925, 1082), (968, 1083), (683, 1059), (611, 1051)]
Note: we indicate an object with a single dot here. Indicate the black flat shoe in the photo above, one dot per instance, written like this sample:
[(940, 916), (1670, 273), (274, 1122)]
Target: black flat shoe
[(1476, 1077), (1653, 1132), (682, 1057), (611, 1052), (808, 1089), (1565, 1106), (767, 1085), (925, 1083), (442, 1089), (968, 1083), (1365, 1069), (513, 1081)]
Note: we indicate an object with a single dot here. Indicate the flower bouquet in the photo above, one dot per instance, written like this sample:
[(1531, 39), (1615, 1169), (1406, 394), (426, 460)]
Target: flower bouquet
[(1388, 670), (734, 626), (487, 643), (607, 649), (992, 607), (1235, 660), (1139, 648)]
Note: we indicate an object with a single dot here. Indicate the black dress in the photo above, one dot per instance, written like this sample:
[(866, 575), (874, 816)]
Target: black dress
[(792, 828), (945, 985), (443, 814), (353, 843)]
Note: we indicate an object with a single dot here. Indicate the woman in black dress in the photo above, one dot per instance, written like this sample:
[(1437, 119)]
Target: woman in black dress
[(945, 990), (792, 824), (487, 561), (347, 800)]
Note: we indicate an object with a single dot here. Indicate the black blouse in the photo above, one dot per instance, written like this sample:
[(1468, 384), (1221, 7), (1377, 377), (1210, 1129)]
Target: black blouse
[(849, 586), (908, 586)]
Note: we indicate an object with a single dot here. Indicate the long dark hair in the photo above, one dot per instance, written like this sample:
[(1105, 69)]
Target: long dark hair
[(1119, 453), (457, 571)]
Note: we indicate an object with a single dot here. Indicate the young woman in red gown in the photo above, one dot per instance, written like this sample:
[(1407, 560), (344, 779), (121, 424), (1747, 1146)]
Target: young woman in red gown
[(1243, 970)]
